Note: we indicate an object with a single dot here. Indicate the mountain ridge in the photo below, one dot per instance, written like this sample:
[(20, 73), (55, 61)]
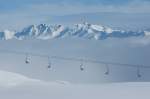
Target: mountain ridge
[(84, 30)]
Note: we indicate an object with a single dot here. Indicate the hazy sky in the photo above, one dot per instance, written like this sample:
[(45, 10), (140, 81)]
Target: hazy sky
[(15, 14)]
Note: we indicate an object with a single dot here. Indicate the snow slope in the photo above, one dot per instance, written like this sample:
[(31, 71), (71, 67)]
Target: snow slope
[(9, 79), (20, 87), (84, 30)]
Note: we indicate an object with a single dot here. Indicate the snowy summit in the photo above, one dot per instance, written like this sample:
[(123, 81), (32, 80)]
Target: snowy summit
[(84, 30)]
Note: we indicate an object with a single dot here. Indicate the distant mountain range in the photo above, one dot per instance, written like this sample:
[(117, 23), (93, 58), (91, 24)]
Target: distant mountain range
[(84, 30)]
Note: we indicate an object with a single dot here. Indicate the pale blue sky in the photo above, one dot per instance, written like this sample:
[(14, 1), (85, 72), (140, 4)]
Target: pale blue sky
[(9, 5), (15, 14)]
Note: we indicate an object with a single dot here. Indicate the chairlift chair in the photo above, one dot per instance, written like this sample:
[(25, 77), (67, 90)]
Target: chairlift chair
[(49, 66), (107, 70), (27, 60), (138, 73), (49, 63), (81, 67)]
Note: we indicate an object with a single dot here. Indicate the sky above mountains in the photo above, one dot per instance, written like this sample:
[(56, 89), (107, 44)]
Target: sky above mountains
[(15, 5), (15, 14)]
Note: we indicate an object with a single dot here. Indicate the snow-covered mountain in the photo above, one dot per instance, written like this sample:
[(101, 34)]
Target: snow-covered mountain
[(84, 30), (6, 35)]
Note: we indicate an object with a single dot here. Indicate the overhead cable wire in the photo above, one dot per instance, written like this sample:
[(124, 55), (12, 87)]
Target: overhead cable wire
[(83, 60)]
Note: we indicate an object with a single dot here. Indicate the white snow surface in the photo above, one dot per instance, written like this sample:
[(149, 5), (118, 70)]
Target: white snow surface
[(16, 86), (9, 79)]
